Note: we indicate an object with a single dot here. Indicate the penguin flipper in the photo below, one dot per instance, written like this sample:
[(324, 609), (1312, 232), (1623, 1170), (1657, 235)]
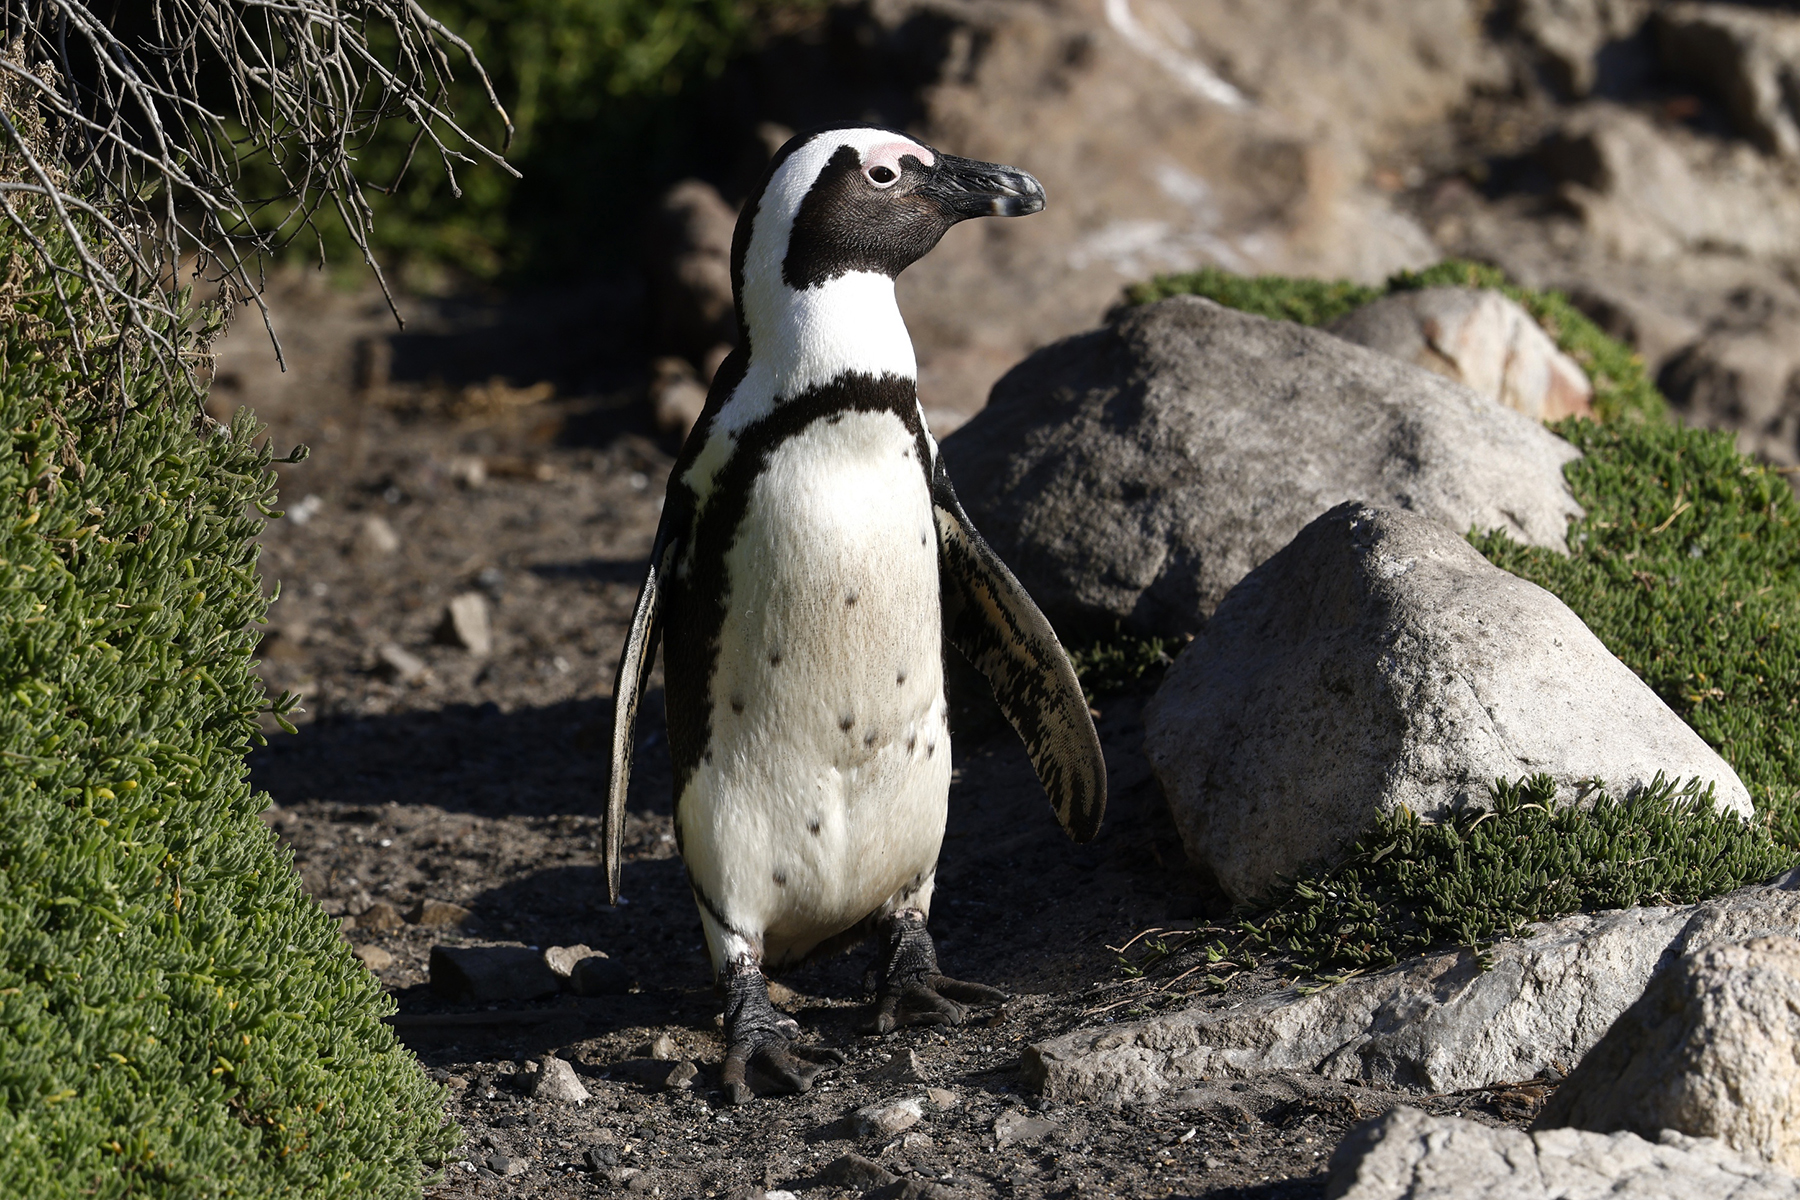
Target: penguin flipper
[(628, 691), (989, 618)]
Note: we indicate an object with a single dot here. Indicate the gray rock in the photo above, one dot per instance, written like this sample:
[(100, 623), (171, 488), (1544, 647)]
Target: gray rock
[(506, 1166), (902, 1067), (486, 974), (466, 624), (556, 1081), (1408, 1155), (886, 1118), (1379, 662), (1135, 473), (1751, 59), (1746, 380), (1477, 337), (677, 395), (1711, 1049), (855, 1171), (681, 1075), (689, 253), (1017, 1125), (562, 959), (1437, 1023), (375, 539), (662, 1047), (398, 665), (379, 917), (1571, 34), (374, 957), (439, 914)]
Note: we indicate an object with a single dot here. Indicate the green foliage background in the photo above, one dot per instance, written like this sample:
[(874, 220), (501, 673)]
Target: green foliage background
[(1686, 566), (604, 99), (177, 1018)]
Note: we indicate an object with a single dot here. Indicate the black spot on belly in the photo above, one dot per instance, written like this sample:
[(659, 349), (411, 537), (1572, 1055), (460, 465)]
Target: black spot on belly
[(737, 704), (930, 749), (912, 739), (706, 755), (899, 678), (780, 879), (775, 658), (869, 738), (849, 598), (812, 827), (846, 721)]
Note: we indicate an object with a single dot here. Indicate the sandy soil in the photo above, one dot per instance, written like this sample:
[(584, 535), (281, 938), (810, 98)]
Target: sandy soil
[(475, 779)]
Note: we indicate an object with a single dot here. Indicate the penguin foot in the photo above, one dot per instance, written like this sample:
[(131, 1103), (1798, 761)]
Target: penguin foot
[(758, 1035), (910, 988)]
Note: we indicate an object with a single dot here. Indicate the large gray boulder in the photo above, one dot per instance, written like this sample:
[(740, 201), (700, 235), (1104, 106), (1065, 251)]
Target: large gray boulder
[(1135, 473), (1408, 1155), (1438, 1023), (1711, 1049), (1750, 59), (1379, 662)]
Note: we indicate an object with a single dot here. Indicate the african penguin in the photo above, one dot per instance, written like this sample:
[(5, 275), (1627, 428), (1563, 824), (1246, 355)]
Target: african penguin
[(811, 564)]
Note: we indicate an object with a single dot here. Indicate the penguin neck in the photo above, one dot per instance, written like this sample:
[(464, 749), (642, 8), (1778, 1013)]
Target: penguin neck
[(803, 338)]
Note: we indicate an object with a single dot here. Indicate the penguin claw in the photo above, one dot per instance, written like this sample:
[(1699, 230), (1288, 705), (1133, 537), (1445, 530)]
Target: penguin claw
[(791, 1069), (911, 991)]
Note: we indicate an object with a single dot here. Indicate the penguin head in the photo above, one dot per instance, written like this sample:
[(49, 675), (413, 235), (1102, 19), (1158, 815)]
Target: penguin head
[(862, 199)]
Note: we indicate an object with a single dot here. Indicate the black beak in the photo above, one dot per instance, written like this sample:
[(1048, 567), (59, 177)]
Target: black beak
[(966, 188)]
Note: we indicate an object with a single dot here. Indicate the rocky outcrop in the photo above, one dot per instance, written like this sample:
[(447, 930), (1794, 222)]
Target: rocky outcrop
[(1570, 35), (1134, 474), (1750, 58), (1409, 1155), (1436, 1024), (1477, 337), (1379, 662), (1711, 1049)]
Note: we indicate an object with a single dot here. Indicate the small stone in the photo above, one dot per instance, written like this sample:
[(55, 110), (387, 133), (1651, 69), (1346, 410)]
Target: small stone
[(438, 914), (887, 1118), (598, 975), (504, 1165), (375, 958), (562, 959), (485, 974), (638, 1182), (600, 1158), (855, 1171), (469, 470), (375, 538), (662, 1047), (903, 1067), (681, 1075), (556, 1081), (1016, 1125), (466, 624), (746, 1192), (456, 1083), (398, 665), (917, 1143), (676, 396), (941, 1098), (779, 1195), (379, 917)]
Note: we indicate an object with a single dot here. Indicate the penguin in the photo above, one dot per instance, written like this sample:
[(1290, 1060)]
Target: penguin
[(811, 567)]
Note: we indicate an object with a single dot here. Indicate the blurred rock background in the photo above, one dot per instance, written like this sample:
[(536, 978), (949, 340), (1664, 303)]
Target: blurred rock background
[(1641, 156)]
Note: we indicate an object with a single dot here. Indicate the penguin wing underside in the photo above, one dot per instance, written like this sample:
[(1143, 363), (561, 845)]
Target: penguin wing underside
[(991, 620), (628, 691)]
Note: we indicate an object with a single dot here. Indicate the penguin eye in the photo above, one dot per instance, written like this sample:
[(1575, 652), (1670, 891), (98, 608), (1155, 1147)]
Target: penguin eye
[(881, 176)]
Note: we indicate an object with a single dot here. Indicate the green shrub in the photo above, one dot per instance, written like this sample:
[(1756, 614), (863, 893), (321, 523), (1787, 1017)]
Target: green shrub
[(1622, 389), (1687, 567), (177, 1018)]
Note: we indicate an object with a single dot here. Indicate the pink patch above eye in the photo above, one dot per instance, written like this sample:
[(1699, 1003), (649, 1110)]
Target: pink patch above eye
[(889, 155)]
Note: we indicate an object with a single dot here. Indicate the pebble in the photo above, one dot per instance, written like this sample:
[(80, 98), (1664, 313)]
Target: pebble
[(562, 959), (375, 538), (855, 1171), (398, 665), (903, 1067), (557, 1082), (379, 916), (504, 1165), (943, 1098), (438, 914), (598, 975), (490, 974), (887, 1118), (466, 624), (681, 1075), (375, 958), (661, 1047), (1016, 1125)]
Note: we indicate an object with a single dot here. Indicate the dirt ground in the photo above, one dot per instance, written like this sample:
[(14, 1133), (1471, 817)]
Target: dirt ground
[(476, 779)]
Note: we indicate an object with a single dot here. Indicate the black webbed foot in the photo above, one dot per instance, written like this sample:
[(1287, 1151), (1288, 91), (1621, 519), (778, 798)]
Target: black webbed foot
[(910, 990), (758, 1035)]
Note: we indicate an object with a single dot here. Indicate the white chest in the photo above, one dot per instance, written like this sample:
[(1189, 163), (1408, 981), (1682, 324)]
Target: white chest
[(829, 759)]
